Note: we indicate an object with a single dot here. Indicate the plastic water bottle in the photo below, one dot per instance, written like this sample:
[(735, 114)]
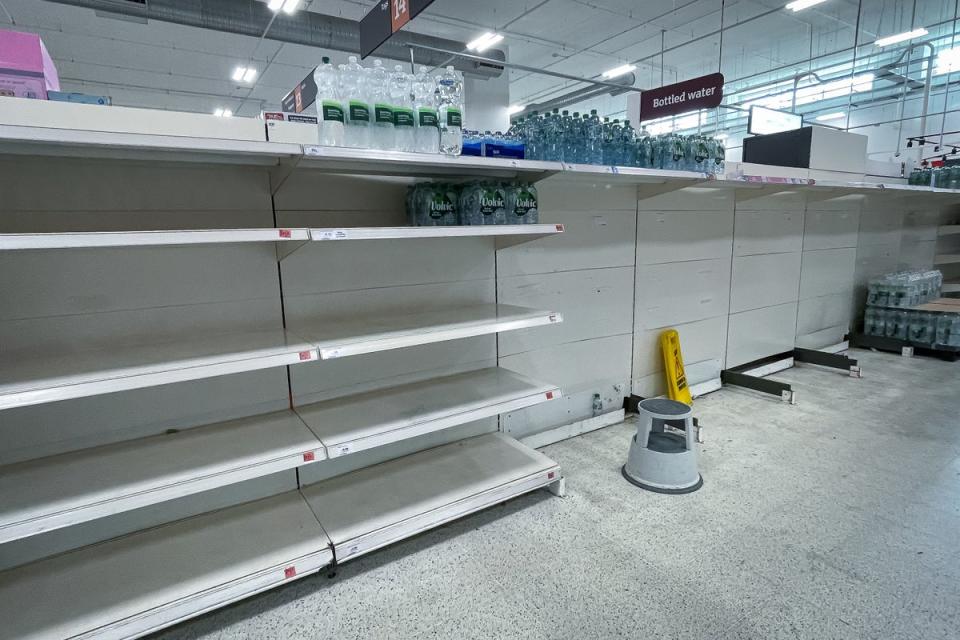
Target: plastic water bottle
[(595, 139), (379, 83), (450, 104), (403, 116), (329, 105), (427, 135), (355, 95)]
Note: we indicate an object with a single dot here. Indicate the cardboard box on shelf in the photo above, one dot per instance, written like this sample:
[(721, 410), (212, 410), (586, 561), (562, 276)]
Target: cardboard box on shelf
[(26, 69)]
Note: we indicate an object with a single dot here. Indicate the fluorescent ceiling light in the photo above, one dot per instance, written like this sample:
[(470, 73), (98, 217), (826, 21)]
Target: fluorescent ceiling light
[(619, 71), (515, 108), (244, 74), (831, 116), (220, 112), (288, 6), (800, 5), (484, 42), (900, 37)]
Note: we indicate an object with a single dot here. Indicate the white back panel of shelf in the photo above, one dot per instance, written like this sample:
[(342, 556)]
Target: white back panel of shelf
[(78, 297), (336, 280)]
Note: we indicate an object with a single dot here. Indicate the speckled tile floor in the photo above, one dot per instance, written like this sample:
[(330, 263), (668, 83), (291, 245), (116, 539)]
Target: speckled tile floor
[(836, 518)]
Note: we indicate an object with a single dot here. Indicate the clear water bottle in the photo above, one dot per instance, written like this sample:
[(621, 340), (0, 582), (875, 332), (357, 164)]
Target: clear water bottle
[(404, 128), (628, 145), (522, 204), (379, 83), (354, 85), (595, 139), (449, 93), (427, 136), (329, 105)]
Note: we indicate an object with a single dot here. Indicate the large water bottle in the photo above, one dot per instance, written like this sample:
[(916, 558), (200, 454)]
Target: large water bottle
[(379, 83), (427, 137), (355, 95), (531, 137), (404, 128), (329, 105), (450, 103)]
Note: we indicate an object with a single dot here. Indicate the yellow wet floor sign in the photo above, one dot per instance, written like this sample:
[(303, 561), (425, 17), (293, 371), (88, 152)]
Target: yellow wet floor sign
[(677, 388)]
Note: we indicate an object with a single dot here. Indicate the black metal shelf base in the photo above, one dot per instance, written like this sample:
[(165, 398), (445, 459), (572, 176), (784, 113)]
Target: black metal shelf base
[(896, 345)]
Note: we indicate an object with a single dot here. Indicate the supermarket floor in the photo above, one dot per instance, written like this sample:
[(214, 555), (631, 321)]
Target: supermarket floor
[(835, 518)]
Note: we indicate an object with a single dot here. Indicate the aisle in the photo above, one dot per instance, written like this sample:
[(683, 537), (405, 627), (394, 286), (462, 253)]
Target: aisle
[(835, 518)]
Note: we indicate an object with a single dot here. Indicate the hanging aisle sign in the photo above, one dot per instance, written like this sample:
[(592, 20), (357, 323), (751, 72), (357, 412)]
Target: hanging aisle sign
[(705, 92), (385, 19)]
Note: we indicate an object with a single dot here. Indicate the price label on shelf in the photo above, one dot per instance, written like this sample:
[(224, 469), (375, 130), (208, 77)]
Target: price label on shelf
[(306, 355), (309, 456), (290, 572), (285, 233), (333, 234)]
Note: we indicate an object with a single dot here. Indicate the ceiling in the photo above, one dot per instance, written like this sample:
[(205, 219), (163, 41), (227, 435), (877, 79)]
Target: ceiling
[(171, 66)]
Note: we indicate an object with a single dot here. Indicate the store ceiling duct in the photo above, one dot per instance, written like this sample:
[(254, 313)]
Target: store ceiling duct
[(251, 17)]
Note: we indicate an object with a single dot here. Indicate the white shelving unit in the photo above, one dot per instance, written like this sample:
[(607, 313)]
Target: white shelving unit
[(68, 142), (93, 239), (368, 334), (947, 258), (30, 379), (398, 163), (952, 286), (364, 421), (505, 235), (949, 230), (136, 584), (376, 506), (64, 490)]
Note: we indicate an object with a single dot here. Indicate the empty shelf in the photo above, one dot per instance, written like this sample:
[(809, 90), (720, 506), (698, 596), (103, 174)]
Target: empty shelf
[(84, 143), (13, 241), (506, 235), (947, 258), (28, 379), (949, 229), (951, 287), (136, 584), (399, 163), (367, 509), (63, 490), (384, 332), (363, 421)]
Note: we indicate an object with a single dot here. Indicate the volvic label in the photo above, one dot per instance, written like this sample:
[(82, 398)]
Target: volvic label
[(454, 117), (490, 201), (383, 113), (402, 117), (427, 117), (440, 206), (359, 111), (332, 111), (525, 202)]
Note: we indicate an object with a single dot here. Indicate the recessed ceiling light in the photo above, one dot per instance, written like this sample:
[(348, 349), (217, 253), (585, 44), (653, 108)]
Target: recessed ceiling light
[(220, 112), (901, 37), (484, 42), (244, 74), (619, 71), (800, 5)]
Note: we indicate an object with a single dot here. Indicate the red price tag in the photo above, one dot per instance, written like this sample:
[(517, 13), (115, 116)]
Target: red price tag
[(309, 456), (560, 227), (305, 355), (399, 14), (286, 233), (551, 475), (289, 572), (549, 395)]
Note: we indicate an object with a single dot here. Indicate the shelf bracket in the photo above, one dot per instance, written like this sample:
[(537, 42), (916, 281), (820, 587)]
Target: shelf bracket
[(286, 249), (763, 385), (558, 488), (826, 359), (283, 170)]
